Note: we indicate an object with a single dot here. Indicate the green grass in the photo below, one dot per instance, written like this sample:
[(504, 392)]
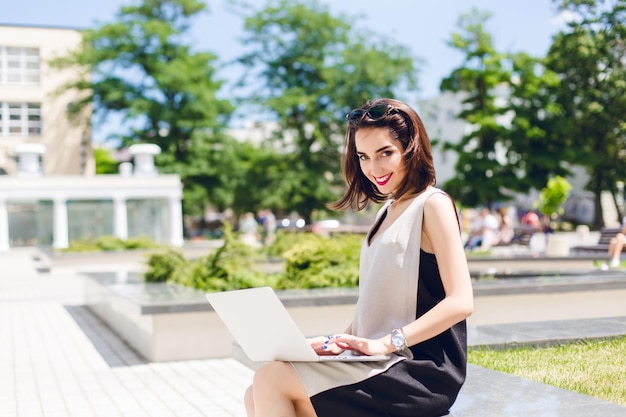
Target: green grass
[(596, 368)]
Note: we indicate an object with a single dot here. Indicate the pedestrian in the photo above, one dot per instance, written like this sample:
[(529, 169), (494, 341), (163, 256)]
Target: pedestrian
[(616, 245), (506, 231), (531, 220), (268, 224), (249, 229), (415, 290), (486, 233)]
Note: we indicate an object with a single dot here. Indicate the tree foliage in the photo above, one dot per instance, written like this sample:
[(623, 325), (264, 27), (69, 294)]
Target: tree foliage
[(533, 143), (142, 67), (483, 172), (553, 195), (590, 60), (105, 162), (307, 69)]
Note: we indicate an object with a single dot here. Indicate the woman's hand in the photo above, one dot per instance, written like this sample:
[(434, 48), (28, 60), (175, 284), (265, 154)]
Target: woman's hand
[(323, 346), (360, 346)]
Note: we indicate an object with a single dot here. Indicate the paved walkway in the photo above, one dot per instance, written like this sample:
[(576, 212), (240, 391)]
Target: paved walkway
[(58, 360)]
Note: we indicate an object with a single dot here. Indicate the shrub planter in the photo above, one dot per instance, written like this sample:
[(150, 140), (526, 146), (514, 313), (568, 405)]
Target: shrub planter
[(169, 322)]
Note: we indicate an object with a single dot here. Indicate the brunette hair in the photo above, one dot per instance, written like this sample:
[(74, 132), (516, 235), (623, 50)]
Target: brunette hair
[(404, 125)]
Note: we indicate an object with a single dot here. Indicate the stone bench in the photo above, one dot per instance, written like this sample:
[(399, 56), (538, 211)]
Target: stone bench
[(166, 322), (489, 393)]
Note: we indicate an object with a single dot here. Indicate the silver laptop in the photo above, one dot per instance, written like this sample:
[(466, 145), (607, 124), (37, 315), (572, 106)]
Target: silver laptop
[(264, 329)]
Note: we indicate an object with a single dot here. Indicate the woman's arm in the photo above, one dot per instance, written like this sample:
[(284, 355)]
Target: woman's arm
[(441, 236)]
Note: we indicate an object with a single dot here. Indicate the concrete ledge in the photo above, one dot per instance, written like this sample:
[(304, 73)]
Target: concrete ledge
[(158, 329), (489, 393), (537, 283), (545, 333), (166, 322), (537, 264)]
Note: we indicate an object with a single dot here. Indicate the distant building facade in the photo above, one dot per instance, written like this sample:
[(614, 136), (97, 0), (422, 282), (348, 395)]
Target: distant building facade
[(54, 210), (31, 109), (49, 193)]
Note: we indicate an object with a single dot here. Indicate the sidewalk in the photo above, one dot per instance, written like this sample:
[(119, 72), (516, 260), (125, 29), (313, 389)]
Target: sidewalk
[(58, 360)]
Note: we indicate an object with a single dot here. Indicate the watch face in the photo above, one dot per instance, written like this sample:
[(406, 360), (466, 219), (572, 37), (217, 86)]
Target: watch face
[(397, 340)]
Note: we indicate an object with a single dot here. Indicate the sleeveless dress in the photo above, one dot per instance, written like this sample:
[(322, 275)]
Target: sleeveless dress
[(398, 283)]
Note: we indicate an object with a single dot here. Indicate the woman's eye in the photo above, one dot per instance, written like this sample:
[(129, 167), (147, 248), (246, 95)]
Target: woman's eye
[(387, 153), (363, 157)]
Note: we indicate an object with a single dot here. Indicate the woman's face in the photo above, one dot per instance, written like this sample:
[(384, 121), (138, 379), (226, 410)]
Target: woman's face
[(380, 157)]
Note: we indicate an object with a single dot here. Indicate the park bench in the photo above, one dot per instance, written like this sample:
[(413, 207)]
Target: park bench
[(521, 236), (606, 234)]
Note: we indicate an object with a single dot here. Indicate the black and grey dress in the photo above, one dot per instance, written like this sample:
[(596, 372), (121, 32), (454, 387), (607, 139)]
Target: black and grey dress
[(422, 381)]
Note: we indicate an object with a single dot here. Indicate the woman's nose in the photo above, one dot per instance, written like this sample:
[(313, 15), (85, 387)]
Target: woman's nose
[(376, 169)]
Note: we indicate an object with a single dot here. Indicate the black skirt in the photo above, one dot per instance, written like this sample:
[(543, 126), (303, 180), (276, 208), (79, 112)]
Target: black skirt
[(425, 386)]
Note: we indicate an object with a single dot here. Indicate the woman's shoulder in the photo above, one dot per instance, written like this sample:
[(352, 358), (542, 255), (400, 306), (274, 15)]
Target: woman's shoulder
[(438, 197), (439, 205)]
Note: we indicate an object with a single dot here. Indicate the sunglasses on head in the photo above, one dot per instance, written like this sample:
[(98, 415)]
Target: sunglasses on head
[(375, 112)]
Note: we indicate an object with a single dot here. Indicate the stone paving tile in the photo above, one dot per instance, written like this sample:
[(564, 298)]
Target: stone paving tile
[(58, 360)]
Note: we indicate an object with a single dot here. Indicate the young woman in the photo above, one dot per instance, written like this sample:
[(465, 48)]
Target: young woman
[(414, 290)]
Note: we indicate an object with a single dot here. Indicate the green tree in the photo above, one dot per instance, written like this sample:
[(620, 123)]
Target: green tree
[(141, 67), (589, 57), (260, 186), (533, 144), (105, 162), (552, 196), (483, 172), (307, 69)]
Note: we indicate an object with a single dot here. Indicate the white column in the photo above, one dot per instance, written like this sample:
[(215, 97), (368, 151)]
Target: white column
[(4, 226), (120, 218), (176, 222), (60, 238)]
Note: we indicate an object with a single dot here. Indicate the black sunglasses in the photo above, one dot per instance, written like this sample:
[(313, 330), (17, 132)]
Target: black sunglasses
[(375, 112)]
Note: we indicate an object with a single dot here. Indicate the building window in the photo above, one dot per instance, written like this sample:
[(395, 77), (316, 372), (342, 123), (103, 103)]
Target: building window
[(19, 65), (20, 119)]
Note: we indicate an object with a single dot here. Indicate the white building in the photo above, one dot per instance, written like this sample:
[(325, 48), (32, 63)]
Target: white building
[(49, 193), (31, 110), (37, 210)]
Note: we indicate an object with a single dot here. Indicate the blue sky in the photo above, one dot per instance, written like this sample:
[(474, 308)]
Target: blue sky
[(423, 26)]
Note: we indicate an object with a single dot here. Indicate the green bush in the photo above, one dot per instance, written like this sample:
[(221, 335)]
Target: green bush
[(82, 245), (229, 267), (285, 241), (208, 273), (110, 243), (310, 262), (163, 264), (141, 242), (318, 262)]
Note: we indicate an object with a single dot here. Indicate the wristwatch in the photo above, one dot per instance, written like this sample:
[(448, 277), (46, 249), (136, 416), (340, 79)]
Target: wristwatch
[(398, 339)]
